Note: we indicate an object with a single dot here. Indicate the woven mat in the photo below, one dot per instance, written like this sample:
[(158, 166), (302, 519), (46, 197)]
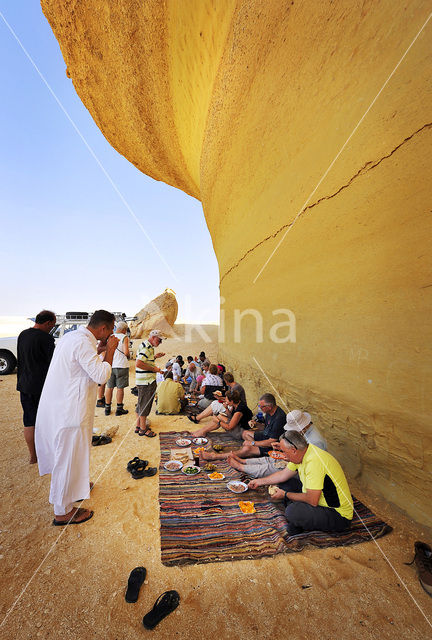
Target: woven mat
[(202, 522)]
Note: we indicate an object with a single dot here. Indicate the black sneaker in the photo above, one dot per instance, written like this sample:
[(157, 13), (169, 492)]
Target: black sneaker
[(423, 562), (107, 409), (120, 411), (101, 403)]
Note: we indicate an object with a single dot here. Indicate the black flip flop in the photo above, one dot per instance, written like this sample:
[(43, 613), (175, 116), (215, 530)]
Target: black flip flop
[(164, 605), (144, 473), (101, 440), (193, 419), (136, 579), (57, 523)]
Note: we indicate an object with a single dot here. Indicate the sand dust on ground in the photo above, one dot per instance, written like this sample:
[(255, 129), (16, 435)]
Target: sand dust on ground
[(69, 583)]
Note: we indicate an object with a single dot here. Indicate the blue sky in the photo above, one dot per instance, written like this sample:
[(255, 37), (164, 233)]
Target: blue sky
[(67, 241)]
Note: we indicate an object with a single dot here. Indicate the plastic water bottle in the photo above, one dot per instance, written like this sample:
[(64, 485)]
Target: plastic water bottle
[(259, 416)]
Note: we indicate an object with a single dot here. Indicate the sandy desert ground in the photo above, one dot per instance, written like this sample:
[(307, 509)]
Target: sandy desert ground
[(70, 583)]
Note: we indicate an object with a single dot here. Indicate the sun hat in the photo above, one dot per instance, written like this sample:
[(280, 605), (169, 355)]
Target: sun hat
[(297, 420), (155, 334)]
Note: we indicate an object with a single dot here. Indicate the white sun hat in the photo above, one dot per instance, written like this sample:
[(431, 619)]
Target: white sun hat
[(297, 420)]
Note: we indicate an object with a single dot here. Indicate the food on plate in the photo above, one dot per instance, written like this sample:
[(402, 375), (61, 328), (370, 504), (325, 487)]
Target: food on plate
[(276, 455), (217, 393), (198, 450), (218, 447), (210, 467), (247, 507), (173, 465), (191, 470), (236, 486), (183, 442), (200, 440), (272, 489), (216, 476)]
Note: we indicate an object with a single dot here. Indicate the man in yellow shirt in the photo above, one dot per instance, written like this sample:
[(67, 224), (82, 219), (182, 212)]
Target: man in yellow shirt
[(325, 502), (170, 396)]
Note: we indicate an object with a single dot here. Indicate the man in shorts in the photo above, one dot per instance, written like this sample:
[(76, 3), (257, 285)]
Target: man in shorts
[(35, 350), (120, 371), (146, 371)]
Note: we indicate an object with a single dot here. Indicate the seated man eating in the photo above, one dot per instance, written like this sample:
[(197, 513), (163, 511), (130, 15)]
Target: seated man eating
[(237, 424), (260, 442), (321, 500)]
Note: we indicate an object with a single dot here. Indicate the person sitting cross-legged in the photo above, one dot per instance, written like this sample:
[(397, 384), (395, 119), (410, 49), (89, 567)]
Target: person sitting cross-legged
[(260, 442), (320, 500), (236, 425)]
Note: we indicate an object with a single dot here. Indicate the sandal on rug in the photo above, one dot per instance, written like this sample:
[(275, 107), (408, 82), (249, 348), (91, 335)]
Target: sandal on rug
[(164, 605), (101, 440), (72, 520), (148, 432), (136, 464), (193, 419), (136, 579), (143, 473)]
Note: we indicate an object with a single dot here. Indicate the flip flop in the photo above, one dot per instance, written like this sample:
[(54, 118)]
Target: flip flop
[(144, 473), (58, 523), (101, 440), (136, 579), (148, 432), (193, 419), (164, 605), (136, 464)]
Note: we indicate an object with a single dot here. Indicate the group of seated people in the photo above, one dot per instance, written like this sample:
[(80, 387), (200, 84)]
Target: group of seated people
[(305, 476)]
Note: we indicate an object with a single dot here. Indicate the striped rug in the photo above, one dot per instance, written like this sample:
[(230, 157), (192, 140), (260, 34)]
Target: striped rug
[(202, 522)]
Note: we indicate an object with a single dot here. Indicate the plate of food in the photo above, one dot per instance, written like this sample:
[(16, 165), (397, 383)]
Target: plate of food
[(236, 486), (276, 455), (218, 447), (183, 442), (210, 467), (191, 470), (198, 451), (216, 476), (247, 507), (200, 440), (173, 465)]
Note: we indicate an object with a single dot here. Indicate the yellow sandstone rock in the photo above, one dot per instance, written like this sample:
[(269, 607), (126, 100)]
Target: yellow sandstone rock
[(160, 313), (247, 105)]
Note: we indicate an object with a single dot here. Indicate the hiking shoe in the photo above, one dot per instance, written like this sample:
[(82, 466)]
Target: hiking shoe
[(423, 562), (100, 403), (107, 409), (120, 411)]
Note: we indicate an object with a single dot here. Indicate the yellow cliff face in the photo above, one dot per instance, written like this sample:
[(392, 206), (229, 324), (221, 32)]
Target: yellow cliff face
[(245, 105)]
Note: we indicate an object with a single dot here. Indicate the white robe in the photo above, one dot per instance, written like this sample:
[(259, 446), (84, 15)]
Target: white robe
[(65, 417)]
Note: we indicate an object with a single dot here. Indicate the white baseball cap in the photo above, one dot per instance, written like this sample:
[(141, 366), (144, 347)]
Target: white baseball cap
[(297, 420), (155, 334)]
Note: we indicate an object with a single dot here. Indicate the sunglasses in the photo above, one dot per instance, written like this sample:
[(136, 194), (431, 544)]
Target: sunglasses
[(288, 440)]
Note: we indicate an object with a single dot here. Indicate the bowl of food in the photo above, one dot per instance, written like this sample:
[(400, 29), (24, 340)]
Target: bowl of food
[(216, 476), (200, 440), (218, 447), (236, 486), (183, 442), (210, 467), (173, 465), (191, 470)]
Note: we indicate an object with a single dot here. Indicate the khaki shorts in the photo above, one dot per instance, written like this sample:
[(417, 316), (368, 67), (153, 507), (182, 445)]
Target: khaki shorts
[(146, 394), (119, 378)]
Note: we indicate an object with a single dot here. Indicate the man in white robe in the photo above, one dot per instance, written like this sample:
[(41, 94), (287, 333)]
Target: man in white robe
[(65, 416)]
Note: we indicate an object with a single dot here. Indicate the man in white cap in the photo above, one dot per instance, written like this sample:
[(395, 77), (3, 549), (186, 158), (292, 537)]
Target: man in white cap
[(145, 371), (120, 371)]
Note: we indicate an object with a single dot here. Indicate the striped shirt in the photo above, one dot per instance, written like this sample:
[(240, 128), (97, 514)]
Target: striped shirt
[(145, 353)]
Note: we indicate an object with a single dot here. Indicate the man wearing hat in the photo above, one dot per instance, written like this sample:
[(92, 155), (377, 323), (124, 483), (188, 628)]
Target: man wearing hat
[(145, 371)]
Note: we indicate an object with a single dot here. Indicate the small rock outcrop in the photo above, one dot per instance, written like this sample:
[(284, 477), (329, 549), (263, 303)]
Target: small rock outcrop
[(160, 313)]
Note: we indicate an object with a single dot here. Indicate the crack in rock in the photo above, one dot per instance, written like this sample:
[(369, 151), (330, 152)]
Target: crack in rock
[(371, 164)]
